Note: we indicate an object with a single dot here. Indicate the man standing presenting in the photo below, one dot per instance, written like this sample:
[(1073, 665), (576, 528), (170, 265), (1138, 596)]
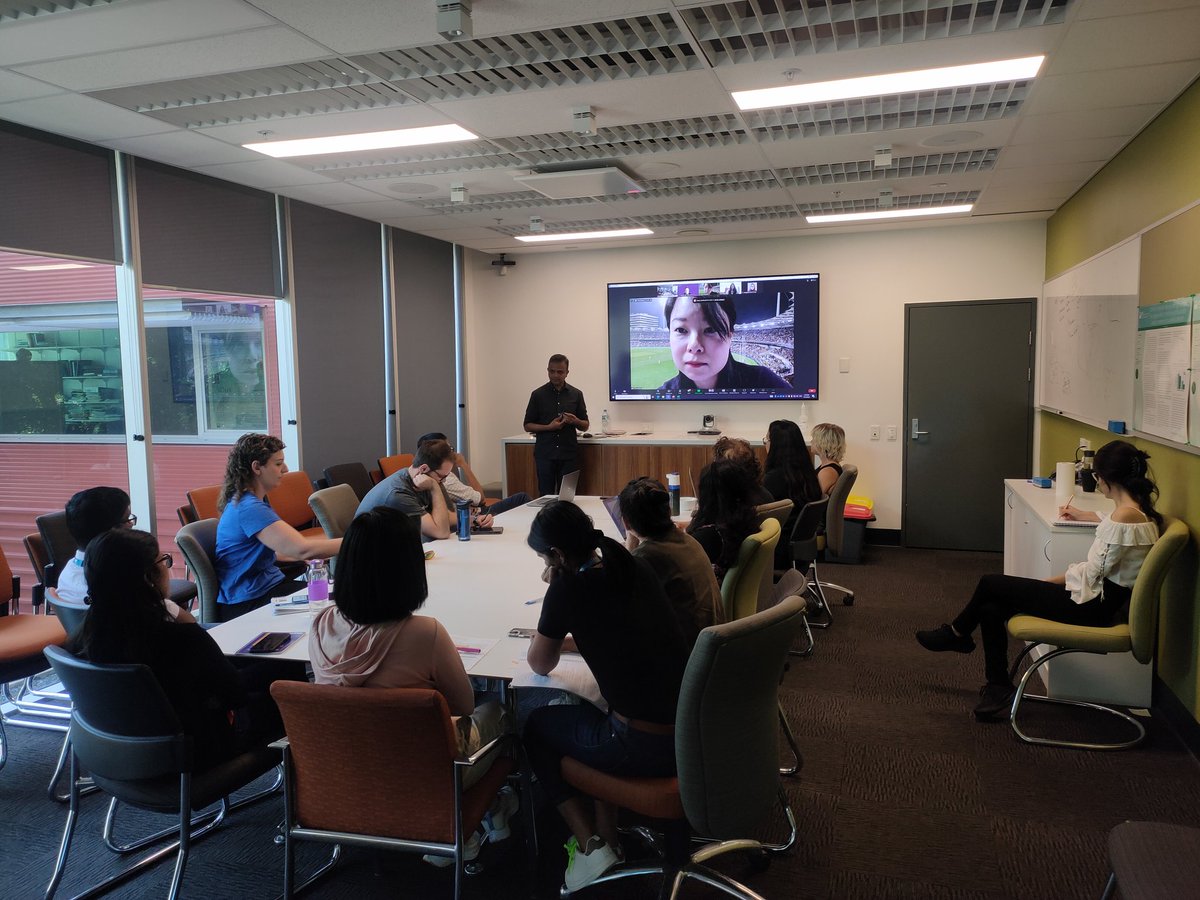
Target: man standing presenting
[(555, 413), (417, 492)]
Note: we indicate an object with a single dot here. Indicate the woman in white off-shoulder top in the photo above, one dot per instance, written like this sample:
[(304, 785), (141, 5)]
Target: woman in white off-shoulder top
[(1093, 592)]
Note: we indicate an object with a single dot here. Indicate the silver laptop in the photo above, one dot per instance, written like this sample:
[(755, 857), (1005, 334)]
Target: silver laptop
[(566, 491)]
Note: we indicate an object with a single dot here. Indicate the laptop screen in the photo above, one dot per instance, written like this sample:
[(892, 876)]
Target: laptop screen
[(566, 490), (613, 505)]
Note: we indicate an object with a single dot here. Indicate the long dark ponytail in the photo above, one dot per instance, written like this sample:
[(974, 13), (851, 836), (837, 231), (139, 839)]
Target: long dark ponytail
[(1124, 465)]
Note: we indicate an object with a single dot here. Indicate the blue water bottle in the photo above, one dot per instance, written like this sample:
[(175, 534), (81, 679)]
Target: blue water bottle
[(673, 491), (464, 520)]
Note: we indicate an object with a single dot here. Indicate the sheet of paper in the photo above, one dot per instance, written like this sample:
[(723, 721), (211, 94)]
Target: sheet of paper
[(571, 675), (1164, 358), (471, 649)]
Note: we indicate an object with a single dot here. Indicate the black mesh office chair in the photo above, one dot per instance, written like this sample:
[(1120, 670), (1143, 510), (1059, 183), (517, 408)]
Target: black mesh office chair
[(125, 733)]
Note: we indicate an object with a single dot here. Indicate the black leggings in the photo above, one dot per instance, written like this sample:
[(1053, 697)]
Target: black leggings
[(228, 611), (998, 598)]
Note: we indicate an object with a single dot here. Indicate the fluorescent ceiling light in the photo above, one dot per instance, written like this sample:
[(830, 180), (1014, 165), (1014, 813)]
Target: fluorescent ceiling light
[(368, 140), (895, 83), (824, 219), (50, 267), (584, 235)]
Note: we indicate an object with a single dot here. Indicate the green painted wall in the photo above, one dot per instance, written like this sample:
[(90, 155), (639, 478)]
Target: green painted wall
[(1155, 176)]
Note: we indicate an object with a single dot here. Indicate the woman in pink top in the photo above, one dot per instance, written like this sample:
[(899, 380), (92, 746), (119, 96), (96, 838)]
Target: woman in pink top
[(372, 638)]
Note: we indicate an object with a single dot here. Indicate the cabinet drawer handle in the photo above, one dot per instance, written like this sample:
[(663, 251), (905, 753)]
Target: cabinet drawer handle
[(1009, 499), (1046, 548)]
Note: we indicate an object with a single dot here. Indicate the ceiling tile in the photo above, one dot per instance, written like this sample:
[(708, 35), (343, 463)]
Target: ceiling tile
[(1156, 83), (185, 149), (263, 173), (1100, 45), (1124, 121), (1024, 155), (80, 117), (19, 87)]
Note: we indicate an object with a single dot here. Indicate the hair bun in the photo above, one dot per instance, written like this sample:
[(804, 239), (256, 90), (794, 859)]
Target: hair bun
[(597, 537)]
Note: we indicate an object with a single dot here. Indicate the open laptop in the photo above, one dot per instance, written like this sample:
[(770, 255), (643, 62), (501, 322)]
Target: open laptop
[(613, 505), (566, 491)]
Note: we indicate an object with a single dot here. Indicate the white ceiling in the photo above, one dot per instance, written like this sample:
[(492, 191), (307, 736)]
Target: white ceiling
[(186, 82)]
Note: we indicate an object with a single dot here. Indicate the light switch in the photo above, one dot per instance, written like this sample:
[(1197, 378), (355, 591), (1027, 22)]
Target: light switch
[(844, 364)]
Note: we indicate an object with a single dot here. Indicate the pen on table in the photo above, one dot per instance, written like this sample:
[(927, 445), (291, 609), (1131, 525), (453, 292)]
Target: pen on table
[(468, 649), (533, 601)]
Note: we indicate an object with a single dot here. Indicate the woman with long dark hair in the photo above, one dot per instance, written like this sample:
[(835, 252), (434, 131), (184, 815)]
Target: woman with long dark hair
[(1094, 592), (701, 335), (126, 622), (725, 512), (789, 475), (250, 533), (610, 607), (372, 638)]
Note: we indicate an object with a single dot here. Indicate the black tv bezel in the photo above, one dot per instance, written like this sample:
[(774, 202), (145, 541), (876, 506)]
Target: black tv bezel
[(614, 398)]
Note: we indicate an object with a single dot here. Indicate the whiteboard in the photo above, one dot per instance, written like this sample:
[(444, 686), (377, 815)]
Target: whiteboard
[(1088, 338)]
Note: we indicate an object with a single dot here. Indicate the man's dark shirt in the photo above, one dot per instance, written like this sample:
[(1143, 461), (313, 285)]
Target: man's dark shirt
[(545, 403)]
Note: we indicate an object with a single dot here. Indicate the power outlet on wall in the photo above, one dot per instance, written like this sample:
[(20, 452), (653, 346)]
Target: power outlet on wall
[(874, 432)]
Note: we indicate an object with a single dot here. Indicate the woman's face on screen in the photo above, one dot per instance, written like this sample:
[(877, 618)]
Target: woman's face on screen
[(699, 351)]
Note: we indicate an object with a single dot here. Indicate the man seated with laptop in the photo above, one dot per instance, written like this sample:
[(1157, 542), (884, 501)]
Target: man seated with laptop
[(418, 492), (472, 490), (682, 566)]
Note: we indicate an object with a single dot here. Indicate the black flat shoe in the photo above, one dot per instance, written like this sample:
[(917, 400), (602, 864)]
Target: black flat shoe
[(943, 638), (995, 702)]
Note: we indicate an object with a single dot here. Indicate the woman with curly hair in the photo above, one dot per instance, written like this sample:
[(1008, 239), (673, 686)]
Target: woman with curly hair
[(1094, 592), (249, 533)]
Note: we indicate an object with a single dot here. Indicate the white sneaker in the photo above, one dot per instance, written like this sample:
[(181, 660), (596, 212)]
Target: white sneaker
[(585, 867), (495, 821), (470, 853)]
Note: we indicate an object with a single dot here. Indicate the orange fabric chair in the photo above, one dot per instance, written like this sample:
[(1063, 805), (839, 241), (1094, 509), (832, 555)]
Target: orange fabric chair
[(204, 501), (390, 465), (35, 548), (290, 503), (378, 767)]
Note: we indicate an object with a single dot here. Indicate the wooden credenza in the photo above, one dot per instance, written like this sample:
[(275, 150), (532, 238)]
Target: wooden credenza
[(608, 464)]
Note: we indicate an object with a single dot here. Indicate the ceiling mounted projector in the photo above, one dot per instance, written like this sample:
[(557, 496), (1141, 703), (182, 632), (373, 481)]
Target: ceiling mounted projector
[(605, 181)]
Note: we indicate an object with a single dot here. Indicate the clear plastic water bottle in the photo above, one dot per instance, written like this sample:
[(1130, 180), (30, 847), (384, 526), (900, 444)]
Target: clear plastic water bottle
[(463, 508), (317, 577), (604, 422)]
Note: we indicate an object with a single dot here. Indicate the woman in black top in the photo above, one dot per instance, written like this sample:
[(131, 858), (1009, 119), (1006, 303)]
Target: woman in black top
[(610, 607), (725, 512), (789, 476), (127, 623)]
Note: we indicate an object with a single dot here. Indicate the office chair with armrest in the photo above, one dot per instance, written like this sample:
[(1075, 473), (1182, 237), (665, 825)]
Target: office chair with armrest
[(198, 543), (835, 527), (390, 465), (125, 733), (806, 547), (1137, 636), (725, 750), (290, 502), (335, 508), (204, 501), (35, 549), (353, 474), (379, 768), (60, 546), (186, 514)]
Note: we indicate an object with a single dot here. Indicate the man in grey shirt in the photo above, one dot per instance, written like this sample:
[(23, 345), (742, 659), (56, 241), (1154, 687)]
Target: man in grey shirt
[(472, 490), (417, 491)]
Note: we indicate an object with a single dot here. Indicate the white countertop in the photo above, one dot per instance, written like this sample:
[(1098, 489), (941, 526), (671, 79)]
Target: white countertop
[(630, 438), (1043, 504)]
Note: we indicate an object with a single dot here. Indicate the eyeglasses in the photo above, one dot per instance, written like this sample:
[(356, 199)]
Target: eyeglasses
[(433, 473), (131, 520), (166, 558)]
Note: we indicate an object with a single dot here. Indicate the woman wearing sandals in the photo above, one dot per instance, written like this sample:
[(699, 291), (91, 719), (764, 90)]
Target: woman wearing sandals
[(1093, 592)]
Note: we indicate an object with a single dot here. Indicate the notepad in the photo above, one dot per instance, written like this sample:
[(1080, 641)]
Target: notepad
[(1075, 523)]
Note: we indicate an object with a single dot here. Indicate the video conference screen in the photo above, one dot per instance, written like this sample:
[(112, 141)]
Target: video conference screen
[(715, 339)]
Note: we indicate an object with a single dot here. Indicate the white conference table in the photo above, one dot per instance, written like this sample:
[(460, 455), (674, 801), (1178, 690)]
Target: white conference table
[(479, 590)]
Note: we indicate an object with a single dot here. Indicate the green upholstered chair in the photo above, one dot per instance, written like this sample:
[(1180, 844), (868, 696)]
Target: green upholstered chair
[(725, 751), (743, 582), (1137, 636), (1153, 861), (198, 541), (335, 508)]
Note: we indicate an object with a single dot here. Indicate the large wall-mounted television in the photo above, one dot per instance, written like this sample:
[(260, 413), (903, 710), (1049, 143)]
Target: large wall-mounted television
[(722, 338)]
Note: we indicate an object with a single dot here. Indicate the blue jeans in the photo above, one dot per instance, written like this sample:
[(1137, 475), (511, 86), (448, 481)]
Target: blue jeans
[(596, 739), (510, 502)]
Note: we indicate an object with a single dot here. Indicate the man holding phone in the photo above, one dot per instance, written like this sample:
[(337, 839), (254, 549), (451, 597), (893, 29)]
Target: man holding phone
[(555, 414)]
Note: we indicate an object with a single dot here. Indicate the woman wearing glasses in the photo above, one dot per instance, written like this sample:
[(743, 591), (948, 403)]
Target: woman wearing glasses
[(126, 623)]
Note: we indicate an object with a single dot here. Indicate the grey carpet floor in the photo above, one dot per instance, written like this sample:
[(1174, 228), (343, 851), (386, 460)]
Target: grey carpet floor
[(902, 795)]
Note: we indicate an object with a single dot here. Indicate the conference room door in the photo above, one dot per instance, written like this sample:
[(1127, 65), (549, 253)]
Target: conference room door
[(968, 419)]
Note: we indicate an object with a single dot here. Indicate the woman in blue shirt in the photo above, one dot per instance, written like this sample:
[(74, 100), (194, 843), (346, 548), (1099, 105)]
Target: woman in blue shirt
[(250, 533)]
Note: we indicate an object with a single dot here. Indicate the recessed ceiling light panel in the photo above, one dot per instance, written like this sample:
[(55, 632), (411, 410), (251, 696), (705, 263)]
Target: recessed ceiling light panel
[(584, 235), (369, 140), (831, 218), (894, 83)]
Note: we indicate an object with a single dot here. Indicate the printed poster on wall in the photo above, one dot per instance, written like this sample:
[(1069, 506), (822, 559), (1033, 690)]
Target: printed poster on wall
[(1163, 374)]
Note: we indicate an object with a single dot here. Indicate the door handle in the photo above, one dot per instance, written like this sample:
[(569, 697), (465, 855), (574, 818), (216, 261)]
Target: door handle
[(914, 433)]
